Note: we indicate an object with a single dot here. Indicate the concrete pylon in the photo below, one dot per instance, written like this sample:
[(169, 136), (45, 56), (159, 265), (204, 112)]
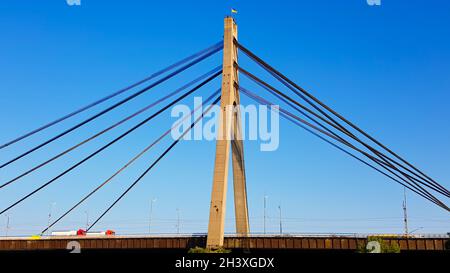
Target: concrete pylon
[(229, 135)]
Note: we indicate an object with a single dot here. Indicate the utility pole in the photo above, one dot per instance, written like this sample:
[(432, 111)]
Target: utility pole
[(87, 219), (7, 225), (178, 221), (281, 225), (150, 215), (265, 212), (229, 141), (50, 214), (405, 212)]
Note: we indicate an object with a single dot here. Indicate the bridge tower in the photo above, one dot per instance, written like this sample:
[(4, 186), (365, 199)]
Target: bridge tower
[(229, 135)]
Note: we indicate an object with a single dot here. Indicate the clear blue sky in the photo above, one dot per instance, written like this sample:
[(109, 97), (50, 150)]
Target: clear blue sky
[(386, 68)]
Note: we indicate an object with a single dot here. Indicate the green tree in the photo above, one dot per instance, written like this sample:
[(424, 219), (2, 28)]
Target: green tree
[(385, 246), (207, 250)]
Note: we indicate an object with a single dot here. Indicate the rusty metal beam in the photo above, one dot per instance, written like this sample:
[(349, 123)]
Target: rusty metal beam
[(238, 242)]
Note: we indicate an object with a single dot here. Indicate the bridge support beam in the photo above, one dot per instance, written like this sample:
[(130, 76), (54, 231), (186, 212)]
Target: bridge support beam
[(229, 135)]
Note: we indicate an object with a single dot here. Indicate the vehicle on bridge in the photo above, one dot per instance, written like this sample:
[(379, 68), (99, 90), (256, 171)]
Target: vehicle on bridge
[(82, 232), (101, 233)]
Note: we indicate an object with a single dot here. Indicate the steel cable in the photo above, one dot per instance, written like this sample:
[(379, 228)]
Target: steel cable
[(281, 76), (140, 154), (289, 101), (423, 193), (152, 165), (111, 143), (152, 76), (112, 107), (111, 127)]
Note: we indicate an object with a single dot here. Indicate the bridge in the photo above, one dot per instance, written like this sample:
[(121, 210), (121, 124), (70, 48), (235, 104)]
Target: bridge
[(303, 110), (254, 243)]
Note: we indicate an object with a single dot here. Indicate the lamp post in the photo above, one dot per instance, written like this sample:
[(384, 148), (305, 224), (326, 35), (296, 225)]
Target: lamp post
[(405, 213), (7, 225), (265, 212), (150, 214), (281, 225), (87, 219), (50, 214), (178, 221)]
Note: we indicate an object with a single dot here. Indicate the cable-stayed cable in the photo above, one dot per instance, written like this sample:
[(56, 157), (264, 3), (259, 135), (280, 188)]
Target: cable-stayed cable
[(152, 165), (84, 108), (387, 160), (111, 143), (272, 70), (112, 107), (290, 115), (140, 154), (112, 127), (337, 125), (296, 122), (386, 164), (291, 101), (422, 191)]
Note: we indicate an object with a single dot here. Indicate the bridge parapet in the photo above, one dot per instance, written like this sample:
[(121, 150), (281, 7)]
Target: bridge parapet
[(187, 242)]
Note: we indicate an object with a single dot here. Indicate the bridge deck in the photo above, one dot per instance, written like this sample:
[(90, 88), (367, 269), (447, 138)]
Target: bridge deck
[(186, 242)]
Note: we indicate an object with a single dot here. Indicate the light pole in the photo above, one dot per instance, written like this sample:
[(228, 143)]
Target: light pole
[(178, 221), (405, 212), (87, 219), (281, 225), (7, 225), (150, 214), (50, 214), (265, 212)]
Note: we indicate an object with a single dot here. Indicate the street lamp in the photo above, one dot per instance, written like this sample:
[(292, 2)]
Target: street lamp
[(405, 213), (150, 215), (178, 221), (265, 212), (281, 225), (7, 225), (87, 219), (50, 214)]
